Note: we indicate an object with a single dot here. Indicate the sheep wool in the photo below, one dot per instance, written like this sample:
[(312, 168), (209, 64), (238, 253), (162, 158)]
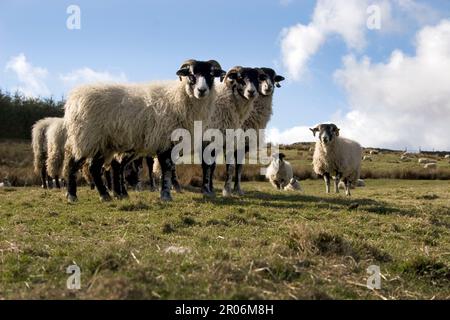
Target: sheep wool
[(39, 142), (343, 156), (56, 140), (107, 118)]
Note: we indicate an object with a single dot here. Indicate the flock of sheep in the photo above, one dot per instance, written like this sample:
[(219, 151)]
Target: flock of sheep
[(106, 127)]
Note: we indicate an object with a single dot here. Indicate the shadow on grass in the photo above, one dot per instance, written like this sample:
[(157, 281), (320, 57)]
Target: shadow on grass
[(298, 200)]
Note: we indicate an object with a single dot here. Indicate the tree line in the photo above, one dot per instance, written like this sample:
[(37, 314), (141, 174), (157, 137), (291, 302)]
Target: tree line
[(18, 113)]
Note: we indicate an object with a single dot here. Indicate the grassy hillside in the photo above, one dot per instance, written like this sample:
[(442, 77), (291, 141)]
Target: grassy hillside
[(267, 244), (16, 164)]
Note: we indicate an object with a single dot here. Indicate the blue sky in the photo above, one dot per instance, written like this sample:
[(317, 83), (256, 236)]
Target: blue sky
[(138, 41)]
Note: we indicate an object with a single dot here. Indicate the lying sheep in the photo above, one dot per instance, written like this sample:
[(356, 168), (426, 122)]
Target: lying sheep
[(280, 173), (359, 184), (336, 157), (426, 161), (106, 119), (235, 98), (430, 166), (39, 145)]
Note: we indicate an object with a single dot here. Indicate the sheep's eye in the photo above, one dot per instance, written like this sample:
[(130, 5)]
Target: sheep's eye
[(192, 78), (241, 81)]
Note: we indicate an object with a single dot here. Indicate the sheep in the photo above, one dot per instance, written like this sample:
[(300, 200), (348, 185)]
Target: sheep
[(431, 165), (235, 98), (280, 173), (56, 140), (106, 119), (374, 152), (360, 183), (39, 146), (447, 156), (426, 161), (336, 156), (367, 158)]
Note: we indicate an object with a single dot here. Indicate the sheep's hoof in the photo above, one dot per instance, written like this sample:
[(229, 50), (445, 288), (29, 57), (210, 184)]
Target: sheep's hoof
[(165, 196), (105, 197), (71, 198), (239, 192)]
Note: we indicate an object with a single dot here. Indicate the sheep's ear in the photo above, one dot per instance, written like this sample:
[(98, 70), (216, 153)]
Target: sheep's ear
[(281, 156), (277, 80), (219, 73), (314, 131), (183, 72), (337, 132)]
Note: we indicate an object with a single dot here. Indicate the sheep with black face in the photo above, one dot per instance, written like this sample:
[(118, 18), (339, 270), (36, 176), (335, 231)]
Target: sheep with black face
[(336, 157), (235, 98), (107, 119)]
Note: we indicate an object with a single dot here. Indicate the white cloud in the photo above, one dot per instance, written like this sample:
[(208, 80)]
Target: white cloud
[(346, 18), (404, 102), (289, 136), (31, 79), (87, 75)]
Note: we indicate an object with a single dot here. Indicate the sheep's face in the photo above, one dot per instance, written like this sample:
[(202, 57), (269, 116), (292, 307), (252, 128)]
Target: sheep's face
[(327, 133), (244, 81), (268, 79), (199, 77)]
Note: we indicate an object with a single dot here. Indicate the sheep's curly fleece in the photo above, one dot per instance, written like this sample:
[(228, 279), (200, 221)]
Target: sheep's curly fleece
[(39, 142), (341, 155), (56, 140), (108, 119)]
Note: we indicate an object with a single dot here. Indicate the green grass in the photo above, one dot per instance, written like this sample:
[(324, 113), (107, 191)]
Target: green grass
[(265, 245)]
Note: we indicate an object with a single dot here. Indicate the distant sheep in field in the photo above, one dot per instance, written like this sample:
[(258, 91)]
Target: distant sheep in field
[(374, 152), (280, 174), (359, 184), (336, 157), (447, 156), (430, 166), (368, 158), (426, 161)]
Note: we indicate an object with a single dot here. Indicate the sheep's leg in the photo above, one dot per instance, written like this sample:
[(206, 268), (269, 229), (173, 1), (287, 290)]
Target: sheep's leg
[(275, 184), (73, 167), (49, 182), (237, 181), (116, 183), (108, 179), (150, 161), (123, 189), (175, 183), (348, 185), (337, 179), (208, 174), (44, 177), (95, 169), (226, 192), (58, 186), (166, 174), (327, 180), (211, 178)]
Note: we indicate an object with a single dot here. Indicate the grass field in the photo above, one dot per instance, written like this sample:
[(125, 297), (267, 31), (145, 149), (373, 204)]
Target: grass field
[(265, 245)]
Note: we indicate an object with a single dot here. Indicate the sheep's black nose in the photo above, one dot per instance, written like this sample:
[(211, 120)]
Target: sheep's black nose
[(251, 93), (202, 91)]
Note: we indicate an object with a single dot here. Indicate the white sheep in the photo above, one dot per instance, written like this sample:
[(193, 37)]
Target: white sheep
[(430, 165), (359, 184), (280, 173), (235, 98), (367, 158), (105, 119), (56, 141), (39, 146), (426, 161), (336, 157), (447, 156)]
